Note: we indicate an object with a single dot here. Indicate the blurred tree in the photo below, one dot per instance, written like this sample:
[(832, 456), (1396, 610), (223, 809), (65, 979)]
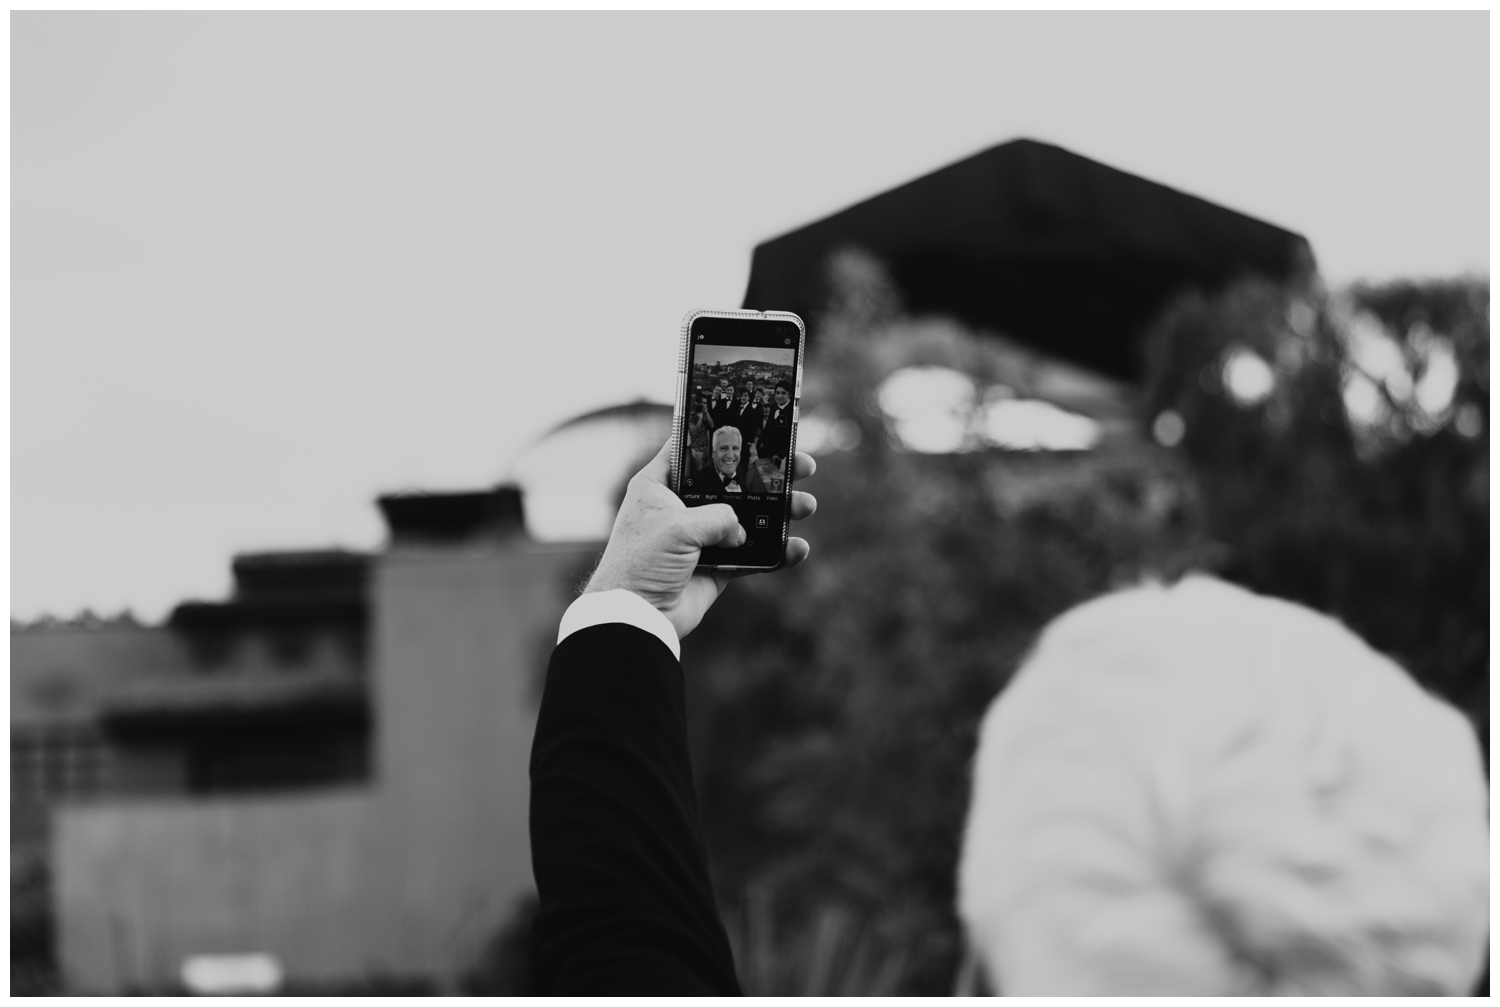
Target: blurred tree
[(1356, 480), (835, 705)]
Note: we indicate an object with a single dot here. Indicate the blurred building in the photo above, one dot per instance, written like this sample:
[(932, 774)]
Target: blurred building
[(1051, 249), (276, 821), (1059, 264), (329, 767)]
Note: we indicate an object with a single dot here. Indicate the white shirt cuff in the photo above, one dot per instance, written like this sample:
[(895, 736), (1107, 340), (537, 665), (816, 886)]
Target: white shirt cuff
[(618, 605)]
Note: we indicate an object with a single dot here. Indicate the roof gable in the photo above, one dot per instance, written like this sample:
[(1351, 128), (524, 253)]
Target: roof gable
[(1053, 249)]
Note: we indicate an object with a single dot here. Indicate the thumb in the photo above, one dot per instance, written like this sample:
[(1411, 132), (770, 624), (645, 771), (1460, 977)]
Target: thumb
[(712, 524), (657, 469)]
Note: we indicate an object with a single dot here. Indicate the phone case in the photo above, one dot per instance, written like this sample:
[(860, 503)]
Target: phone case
[(679, 410)]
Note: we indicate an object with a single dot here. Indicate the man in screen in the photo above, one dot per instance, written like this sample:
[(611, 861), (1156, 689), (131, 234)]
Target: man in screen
[(776, 438), (746, 418), (722, 404), (727, 476)]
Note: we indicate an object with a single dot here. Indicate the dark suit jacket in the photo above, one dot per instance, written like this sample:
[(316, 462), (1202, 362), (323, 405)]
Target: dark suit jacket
[(616, 848), (776, 438), (747, 421), (721, 412), (707, 479)]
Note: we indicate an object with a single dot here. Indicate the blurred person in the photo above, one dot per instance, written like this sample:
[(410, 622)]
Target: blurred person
[(626, 904), (700, 429), (1195, 790)]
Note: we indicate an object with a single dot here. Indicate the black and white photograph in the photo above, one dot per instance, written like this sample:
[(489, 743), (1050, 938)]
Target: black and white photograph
[(426, 581), (739, 420)]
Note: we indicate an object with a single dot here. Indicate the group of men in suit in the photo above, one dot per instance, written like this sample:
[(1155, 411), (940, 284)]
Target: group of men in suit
[(740, 426)]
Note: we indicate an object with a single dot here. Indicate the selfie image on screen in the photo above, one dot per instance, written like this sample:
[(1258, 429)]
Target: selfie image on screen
[(739, 423)]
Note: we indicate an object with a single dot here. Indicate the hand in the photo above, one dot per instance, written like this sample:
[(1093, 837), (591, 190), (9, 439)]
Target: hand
[(653, 549)]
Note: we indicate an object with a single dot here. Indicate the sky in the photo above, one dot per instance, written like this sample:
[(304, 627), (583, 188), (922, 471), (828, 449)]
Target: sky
[(733, 354), (265, 266)]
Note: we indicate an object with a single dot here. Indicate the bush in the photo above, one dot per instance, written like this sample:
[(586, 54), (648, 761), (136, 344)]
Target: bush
[(1382, 523), (835, 705)]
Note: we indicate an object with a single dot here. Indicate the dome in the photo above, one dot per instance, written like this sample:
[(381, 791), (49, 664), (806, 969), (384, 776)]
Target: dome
[(574, 476)]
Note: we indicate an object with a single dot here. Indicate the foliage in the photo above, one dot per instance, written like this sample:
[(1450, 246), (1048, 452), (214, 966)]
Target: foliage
[(834, 956), (1382, 523), (835, 705), (33, 965)]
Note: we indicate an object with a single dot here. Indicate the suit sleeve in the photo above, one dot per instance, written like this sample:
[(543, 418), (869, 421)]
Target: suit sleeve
[(626, 906)]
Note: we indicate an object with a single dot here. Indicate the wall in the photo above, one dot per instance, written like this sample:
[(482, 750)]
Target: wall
[(62, 673), (460, 639), (138, 887), (406, 878)]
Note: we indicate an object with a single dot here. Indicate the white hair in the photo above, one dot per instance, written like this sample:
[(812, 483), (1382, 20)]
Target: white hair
[(727, 429), (1195, 790)]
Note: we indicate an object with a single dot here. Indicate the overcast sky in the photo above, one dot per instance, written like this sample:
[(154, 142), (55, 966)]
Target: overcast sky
[(265, 266), (733, 354)]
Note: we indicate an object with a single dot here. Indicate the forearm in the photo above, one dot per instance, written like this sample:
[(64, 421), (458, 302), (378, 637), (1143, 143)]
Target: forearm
[(626, 903)]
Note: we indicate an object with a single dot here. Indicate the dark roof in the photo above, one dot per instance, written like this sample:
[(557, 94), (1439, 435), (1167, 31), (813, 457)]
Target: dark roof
[(311, 572), (1032, 241), (452, 517), (261, 613), (307, 588)]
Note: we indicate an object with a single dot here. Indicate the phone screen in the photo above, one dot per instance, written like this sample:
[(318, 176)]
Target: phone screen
[(738, 431)]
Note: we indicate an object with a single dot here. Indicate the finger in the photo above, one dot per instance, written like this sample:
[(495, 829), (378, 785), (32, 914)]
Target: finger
[(804, 466), (803, 505), (712, 524), (657, 468)]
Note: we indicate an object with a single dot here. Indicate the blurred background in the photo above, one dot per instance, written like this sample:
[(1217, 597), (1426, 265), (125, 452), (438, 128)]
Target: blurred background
[(315, 316)]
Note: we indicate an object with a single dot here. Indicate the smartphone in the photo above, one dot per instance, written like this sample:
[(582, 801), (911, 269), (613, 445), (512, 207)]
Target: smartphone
[(734, 429)]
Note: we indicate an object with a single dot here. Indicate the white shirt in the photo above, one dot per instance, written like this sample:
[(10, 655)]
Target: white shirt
[(619, 605)]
